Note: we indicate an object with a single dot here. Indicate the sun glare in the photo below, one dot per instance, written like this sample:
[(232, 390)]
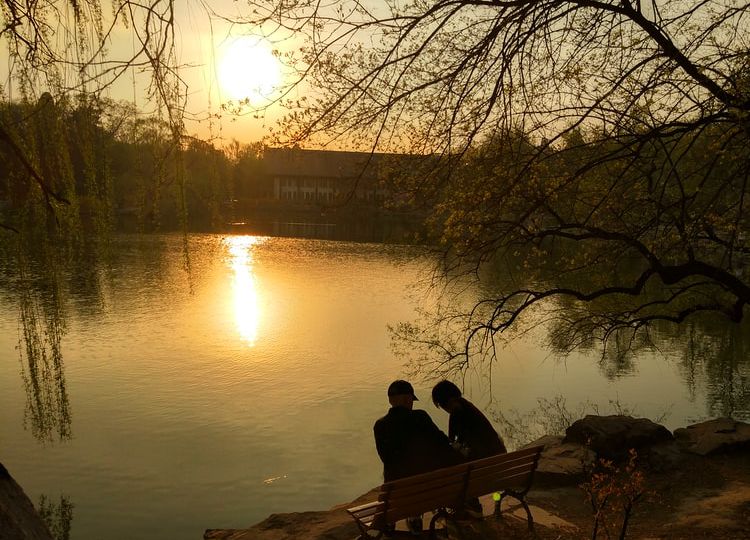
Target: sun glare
[(249, 70), (246, 300)]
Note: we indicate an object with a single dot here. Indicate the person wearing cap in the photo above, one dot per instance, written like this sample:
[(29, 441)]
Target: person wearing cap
[(408, 441), (468, 428)]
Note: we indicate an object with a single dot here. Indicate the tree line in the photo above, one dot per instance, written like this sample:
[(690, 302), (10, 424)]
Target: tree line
[(99, 165)]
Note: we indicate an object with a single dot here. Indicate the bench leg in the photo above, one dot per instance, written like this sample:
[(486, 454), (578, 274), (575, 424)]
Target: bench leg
[(520, 498), (366, 533), (441, 513)]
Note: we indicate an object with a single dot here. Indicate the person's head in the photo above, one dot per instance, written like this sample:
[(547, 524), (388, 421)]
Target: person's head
[(445, 395), (401, 394)]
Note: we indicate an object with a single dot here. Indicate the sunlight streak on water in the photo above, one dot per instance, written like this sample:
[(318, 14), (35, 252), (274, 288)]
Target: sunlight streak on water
[(245, 291)]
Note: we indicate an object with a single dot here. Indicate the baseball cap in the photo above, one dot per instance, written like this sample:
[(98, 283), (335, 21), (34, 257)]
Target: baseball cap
[(401, 387)]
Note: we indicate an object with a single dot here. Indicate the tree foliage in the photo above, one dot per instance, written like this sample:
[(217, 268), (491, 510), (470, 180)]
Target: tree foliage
[(60, 52), (597, 148)]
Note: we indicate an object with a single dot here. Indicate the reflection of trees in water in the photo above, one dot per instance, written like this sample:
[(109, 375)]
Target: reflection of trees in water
[(709, 350), (712, 353), (57, 515), (50, 279), (42, 324), (618, 355), (719, 353)]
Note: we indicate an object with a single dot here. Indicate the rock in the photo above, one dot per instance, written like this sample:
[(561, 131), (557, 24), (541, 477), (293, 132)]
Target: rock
[(665, 456), (335, 524), (611, 437), (19, 519), (714, 436), (561, 463)]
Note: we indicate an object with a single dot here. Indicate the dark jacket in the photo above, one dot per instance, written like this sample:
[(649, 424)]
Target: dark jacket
[(409, 442), (471, 429)]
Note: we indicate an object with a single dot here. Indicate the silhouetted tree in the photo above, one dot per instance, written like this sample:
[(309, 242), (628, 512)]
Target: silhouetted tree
[(600, 142)]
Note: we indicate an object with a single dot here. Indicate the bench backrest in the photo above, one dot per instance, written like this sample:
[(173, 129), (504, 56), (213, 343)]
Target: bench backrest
[(450, 486)]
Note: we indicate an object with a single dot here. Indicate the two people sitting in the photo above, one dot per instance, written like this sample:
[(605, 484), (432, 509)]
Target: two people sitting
[(408, 441)]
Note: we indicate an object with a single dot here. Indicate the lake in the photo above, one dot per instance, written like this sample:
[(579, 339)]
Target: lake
[(245, 383)]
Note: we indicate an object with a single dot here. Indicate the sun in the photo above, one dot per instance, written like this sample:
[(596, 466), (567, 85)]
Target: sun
[(248, 69)]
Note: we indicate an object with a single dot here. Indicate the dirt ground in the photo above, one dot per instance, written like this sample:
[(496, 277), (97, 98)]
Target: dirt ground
[(707, 497)]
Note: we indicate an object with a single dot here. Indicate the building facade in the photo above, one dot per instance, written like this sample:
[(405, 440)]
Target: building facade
[(326, 176)]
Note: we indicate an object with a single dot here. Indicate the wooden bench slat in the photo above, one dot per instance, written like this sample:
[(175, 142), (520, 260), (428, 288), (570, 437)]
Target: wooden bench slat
[(425, 477), (525, 461), (483, 487), (369, 516), (366, 506), (436, 483), (509, 466), (447, 493), (501, 473), (502, 458), (363, 514)]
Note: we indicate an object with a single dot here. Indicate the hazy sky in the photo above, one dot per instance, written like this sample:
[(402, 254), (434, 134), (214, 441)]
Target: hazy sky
[(218, 66), (226, 63), (230, 63)]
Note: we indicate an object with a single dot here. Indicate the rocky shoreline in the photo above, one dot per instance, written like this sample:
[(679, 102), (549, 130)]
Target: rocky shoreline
[(696, 465)]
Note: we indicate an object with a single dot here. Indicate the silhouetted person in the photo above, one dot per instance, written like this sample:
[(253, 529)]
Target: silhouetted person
[(468, 428), (409, 442)]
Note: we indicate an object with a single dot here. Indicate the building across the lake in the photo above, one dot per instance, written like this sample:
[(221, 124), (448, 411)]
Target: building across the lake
[(329, 194), (325, 176)]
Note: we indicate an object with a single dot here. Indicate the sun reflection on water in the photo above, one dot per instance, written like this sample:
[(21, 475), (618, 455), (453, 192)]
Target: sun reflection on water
[(245, 291)]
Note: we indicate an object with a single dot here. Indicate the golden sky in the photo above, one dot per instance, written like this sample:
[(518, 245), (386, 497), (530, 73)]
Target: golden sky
[(229, 64), (220, 63)]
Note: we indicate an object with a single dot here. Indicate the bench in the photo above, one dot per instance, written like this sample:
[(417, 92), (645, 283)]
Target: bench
[(437, 491)]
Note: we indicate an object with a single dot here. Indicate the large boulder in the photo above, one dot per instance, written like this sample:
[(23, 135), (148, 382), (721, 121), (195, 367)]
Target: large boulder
[(561, 463), (19, 519), (611, 437), (714, 436)]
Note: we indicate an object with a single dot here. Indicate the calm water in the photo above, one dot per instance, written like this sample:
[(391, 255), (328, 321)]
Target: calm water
[(249, 385)]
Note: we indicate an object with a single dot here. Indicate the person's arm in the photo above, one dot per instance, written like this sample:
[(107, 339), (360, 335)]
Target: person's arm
[(452, 427), (448, 454), (430, 428)]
